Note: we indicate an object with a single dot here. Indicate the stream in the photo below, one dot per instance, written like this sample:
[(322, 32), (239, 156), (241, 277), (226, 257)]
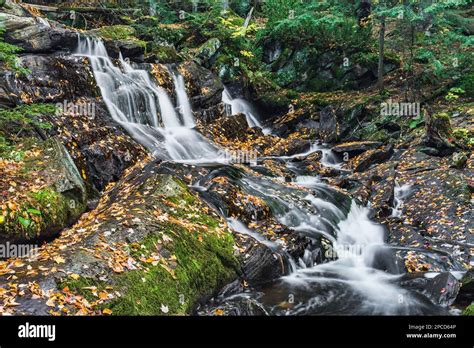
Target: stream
[(356, 274)]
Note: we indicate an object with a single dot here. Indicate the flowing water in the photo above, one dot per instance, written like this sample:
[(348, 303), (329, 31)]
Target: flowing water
[(240, 105), (357, 276)]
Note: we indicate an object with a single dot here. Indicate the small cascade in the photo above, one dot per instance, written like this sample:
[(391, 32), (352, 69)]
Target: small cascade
[(184, 106), (238, 105), (400, 193), (328, 159)]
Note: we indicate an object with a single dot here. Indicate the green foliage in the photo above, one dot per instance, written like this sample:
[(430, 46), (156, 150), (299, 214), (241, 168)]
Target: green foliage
[(454, 93), (26, 115), (469, 310), (416, 122), (8, 55), (467, 84)]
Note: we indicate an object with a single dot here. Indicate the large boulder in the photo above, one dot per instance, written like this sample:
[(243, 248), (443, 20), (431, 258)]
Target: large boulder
[(132, 255), (203, 87), (37, 36), (206, 53), (42, 192)]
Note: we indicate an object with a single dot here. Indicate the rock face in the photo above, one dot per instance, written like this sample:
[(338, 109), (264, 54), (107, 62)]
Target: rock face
[(150, 240), (328, 126), (355, 147), (42, 193), (37, 37), (371, 157), (206, 53), (203, 87), (99, 146), (56, 79)]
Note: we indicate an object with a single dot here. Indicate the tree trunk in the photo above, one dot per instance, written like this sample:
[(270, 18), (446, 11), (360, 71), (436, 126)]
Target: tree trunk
[(381, 52)]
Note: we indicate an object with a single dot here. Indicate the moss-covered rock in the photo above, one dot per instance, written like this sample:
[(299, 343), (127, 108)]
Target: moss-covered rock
[(151, 245), (207, 51), (43, 191)]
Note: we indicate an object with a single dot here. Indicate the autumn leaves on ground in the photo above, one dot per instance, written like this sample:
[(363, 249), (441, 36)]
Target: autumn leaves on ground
[(115, 230)]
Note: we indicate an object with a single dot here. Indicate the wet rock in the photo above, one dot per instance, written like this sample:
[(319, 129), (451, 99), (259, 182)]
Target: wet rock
[(371, 157), (241, 305), (210, 114), (441, 290), (127, 48), (328, 125), (204, 88), (355, 147), (259, 263), (34, 36), (56, 79), (231, 127)]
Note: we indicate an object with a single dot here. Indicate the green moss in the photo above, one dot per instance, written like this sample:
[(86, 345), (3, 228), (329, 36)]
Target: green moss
[(201, 267), (464, 135), (166, 54), (117, 32), (120, 32), (194, 263), (43, 210), (469, 310)]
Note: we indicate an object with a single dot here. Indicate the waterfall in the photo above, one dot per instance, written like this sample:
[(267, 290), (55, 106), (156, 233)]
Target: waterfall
[(239, 105), (348, 283), (145, 110), (184, 106)]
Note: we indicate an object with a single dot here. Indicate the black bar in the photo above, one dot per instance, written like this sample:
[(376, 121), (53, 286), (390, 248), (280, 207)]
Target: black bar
[(243, 330)]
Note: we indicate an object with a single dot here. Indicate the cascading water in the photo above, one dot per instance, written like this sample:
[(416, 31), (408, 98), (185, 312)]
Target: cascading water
[(145, 109), (400, 193), (239, 105), (347, 284), (183, 101)]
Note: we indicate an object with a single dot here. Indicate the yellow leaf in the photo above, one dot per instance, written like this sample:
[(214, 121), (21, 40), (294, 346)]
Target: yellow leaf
[(59, 259)]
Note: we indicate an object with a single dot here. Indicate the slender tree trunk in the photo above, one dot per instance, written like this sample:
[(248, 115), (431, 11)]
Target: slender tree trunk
[(381, 52)]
